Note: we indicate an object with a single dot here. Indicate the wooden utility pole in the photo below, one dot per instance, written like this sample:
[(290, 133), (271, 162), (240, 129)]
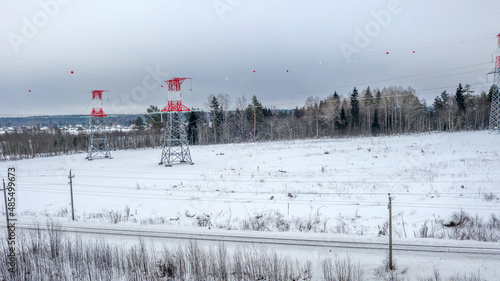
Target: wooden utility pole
[(6, 208), (390, 233), (71, 190)]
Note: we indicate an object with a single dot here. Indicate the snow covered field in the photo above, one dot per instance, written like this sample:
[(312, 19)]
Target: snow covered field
[(336, 186)]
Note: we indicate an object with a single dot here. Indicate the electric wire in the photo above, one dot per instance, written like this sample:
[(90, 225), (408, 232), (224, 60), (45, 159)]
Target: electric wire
[(372, 82)]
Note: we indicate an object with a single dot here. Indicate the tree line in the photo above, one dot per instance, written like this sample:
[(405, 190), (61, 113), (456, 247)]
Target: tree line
[(368, 112)]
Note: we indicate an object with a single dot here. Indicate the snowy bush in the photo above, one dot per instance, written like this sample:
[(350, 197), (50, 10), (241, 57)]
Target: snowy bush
[(490, 197), (342, 268), (462, 226), (48, 254), (396, 274), (436, 276)]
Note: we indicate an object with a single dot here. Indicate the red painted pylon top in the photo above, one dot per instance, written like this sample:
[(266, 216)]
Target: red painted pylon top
[(174, 96), (97, 110)]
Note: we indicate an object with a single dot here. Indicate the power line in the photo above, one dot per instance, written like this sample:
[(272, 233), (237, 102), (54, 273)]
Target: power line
[(277, 180), (330, 89), (377, 53), (256, 192), (323, 174)]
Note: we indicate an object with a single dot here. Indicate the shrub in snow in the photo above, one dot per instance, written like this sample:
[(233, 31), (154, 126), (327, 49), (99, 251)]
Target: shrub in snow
[(48, 254), (436, 276), (342, 268), (462, 226), (396, 274)]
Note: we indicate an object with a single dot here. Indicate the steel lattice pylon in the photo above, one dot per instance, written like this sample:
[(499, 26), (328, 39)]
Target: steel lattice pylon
[(495, 105), (175, 143), (495, 97), (98, 140)]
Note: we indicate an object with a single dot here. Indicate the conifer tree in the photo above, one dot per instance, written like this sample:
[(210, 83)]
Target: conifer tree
[(215, 117), (153, 119), (460, 98), (341, 123), (354, 108)]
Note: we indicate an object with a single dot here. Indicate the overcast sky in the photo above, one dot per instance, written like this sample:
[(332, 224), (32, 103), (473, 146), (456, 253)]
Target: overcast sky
[(296, 48)]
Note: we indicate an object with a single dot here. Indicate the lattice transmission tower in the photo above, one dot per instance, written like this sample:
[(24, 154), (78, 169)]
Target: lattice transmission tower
[(495, 97), (98, 141), (175, 146)]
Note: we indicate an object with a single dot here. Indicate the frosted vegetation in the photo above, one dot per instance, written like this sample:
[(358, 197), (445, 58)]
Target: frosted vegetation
[(49, 254)]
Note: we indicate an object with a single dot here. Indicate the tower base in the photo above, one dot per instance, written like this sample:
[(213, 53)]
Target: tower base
[(98, 141), (175, 146)]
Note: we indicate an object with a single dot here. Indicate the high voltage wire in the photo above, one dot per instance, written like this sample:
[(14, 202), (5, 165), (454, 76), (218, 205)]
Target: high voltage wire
[(67, 65), (296, 94), (131, 190), (281, 66), (256, 192), (213, 194), (386, 80), (219, 173), (205, 197), (360, 97), (277, 67), (204, 192), (371, 54), (258, 180), (278, 179)]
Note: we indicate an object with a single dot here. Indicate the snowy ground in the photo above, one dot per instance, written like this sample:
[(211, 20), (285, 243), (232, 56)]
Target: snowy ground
[(337, 186)]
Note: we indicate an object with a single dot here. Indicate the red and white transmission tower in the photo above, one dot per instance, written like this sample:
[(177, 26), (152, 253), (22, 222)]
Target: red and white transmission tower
[(97, 110), (495, 97), (175, 143), (98, 141), (174, 96)]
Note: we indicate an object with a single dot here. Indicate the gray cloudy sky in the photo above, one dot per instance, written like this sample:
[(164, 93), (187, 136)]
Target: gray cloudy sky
[(126, 47)]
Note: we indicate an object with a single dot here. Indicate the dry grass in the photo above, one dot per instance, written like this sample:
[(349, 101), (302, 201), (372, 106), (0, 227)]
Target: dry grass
[(47, 254)]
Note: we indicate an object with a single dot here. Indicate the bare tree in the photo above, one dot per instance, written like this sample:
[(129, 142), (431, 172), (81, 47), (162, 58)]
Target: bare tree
[(225, 123), (240, 118), (313, 113)]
